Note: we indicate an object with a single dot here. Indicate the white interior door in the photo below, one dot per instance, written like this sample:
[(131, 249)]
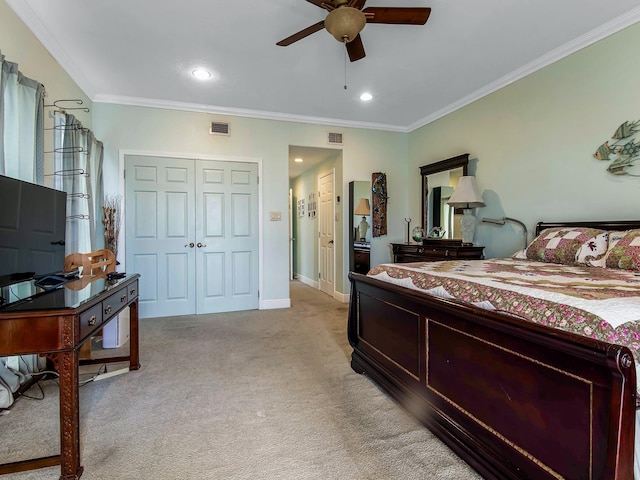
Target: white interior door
[(192, 234), (326, 215), (226, 236), (160, 226)]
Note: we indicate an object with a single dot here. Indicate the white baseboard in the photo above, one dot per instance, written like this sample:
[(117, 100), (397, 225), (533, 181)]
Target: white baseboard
[(277, 303), (341, 297), (307, 281)]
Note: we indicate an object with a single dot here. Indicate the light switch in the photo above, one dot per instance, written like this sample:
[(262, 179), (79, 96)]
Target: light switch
[(276, 216)]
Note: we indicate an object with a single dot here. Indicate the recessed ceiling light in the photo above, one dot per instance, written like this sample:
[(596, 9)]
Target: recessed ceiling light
[(366, 96), (298, 160), (201, 74)]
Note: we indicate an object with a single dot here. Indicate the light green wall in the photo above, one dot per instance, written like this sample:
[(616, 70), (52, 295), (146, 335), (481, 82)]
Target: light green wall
[(141, 129), (533, 142)]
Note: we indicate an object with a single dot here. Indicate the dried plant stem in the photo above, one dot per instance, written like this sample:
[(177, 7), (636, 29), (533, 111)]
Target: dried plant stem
[(111, 222)]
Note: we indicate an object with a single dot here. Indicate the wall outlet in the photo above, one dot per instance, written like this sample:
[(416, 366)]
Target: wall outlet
[(276, 216)]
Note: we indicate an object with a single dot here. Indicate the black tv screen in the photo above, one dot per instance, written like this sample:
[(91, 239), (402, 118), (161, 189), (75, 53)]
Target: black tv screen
[(32, 230)]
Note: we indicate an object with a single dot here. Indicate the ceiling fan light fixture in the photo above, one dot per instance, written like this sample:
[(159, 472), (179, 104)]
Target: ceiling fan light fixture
[(345, 23)]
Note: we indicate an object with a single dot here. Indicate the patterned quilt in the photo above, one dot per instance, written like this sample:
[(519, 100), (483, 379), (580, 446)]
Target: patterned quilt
[(601, 303)]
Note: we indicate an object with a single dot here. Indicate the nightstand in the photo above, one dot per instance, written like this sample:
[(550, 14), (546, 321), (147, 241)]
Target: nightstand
[(361, 255), (433, 250)]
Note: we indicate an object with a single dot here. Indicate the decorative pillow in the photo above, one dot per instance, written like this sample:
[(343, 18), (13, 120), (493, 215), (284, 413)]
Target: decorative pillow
[(520, 254), (624, 250), (570, 246)]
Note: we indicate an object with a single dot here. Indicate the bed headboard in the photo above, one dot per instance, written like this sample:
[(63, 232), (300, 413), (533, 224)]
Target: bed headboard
[(609, 225)]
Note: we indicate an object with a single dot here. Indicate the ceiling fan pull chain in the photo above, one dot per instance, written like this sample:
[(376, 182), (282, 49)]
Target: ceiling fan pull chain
[(345, 65)]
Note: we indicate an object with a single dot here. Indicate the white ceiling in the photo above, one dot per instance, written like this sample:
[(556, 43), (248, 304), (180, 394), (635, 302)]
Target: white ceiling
[(142, 52)]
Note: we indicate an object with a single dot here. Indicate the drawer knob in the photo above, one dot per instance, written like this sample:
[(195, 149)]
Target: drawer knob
[(107, 309), (133, 292), (123, 298), (92, 320)]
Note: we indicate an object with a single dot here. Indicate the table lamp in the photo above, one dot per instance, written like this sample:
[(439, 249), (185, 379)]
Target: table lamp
[(363, 208), (466, 196)]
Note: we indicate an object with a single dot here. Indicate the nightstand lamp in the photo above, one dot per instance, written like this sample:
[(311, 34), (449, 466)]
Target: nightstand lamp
[(466, 196), (363, 208)]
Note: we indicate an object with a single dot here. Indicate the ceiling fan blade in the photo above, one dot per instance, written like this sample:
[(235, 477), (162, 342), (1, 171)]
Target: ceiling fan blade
[(301, 34), (398, 15), (357, 4), (326, 4), (355, 49)]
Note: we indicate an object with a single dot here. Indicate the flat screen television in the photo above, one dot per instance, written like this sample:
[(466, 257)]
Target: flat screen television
[(32, 230)]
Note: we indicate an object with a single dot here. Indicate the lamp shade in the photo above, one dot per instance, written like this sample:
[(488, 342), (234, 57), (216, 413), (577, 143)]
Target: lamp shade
[(363, 207), (345, 23), (466, 194)]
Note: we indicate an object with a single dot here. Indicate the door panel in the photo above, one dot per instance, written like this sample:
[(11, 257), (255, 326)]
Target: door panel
[(227, 263), (160, 225), (326, 230)]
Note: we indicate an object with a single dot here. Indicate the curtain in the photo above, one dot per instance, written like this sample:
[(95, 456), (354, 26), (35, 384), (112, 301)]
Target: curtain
[(22, 157), (21, 125), (78, 171)]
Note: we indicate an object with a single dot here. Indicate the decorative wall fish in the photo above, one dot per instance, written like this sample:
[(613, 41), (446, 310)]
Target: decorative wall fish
[(623, 150), (626, 129)]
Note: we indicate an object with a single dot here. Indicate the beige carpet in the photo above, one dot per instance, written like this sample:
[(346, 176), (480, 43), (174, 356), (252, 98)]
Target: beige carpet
[(248, 395)]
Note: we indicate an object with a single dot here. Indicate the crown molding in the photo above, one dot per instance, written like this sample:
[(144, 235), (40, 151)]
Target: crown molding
[(589, 38), (240, 112)]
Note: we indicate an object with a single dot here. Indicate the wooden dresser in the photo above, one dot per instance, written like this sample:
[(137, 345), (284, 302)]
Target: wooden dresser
[(435, 250), (361, 254)]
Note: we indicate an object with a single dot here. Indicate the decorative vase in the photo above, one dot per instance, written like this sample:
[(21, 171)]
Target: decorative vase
[(417, 234), (362, 229), (467, 226)]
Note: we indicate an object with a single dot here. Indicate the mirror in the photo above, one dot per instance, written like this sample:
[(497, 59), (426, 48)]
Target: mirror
[(438, 182), (359, 226)]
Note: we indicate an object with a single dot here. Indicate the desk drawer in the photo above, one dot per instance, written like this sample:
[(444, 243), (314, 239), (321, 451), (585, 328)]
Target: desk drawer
[(133, 290), (114, 303), (90, 320)]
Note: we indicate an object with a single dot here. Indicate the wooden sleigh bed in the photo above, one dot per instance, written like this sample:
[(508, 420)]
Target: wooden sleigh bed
[(515, 399)]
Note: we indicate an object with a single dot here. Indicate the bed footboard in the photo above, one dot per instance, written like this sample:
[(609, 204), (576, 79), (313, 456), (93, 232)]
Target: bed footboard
[(513, 398)]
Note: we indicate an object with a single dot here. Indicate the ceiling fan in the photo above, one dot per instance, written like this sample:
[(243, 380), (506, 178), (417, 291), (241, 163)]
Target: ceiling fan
[(346, 19)]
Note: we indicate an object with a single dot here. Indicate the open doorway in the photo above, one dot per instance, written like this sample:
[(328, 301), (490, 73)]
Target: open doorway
[(306, 258)]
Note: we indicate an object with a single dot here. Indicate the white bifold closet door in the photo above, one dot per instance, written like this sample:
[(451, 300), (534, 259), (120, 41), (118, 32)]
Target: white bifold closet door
[(192, 234)]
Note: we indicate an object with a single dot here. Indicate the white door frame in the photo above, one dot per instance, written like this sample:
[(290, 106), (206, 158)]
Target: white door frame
[(290, 217), (192, 156)]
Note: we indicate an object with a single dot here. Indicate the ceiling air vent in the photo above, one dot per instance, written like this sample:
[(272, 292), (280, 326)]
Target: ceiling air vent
[(335, 138), (219, 128)]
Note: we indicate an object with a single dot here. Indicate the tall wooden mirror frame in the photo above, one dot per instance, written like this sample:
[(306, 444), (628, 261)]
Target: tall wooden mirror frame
[(460, 161)]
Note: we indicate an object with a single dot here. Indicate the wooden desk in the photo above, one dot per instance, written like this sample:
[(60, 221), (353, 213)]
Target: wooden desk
[(56, 323)]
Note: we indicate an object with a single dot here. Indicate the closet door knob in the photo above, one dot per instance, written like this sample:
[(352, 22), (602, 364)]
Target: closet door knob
[(190, 245), (200, 245)]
